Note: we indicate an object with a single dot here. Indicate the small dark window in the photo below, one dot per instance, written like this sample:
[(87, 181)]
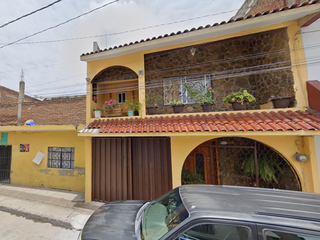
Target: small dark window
[(122, 97), (200, 165), (59, 157)]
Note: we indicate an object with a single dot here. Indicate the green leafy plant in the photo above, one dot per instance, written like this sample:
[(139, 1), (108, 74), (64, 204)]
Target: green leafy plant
[(151, 100), (266, 164), (133, 105), (97, 109), (240, 97), (176, 103), (189, 177), (198, 96)]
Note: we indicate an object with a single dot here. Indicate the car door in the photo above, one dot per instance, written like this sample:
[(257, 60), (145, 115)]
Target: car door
[(205, 229), (270, 232)]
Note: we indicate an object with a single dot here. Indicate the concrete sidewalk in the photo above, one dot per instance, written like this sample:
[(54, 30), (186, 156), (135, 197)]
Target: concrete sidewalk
[(58, 207)]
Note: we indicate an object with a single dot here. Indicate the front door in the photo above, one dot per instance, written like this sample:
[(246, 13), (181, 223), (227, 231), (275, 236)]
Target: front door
[(5, 164), (202, 164)]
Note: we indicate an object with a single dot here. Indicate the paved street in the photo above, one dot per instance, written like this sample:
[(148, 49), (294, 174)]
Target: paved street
[(40, 213), (18, 228)]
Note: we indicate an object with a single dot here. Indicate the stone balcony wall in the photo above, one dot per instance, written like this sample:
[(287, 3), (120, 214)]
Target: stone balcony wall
[(259, 63)]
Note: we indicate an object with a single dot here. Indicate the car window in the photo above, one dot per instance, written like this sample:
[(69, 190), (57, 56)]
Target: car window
[(216, 232), (279, 235), (162, 215)]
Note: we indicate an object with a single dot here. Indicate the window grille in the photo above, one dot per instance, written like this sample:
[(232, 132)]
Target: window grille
[(174, 90), (61, 157)]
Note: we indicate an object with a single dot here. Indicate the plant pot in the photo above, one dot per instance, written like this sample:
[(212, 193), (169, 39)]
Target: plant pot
[(152, 110), (97, 114), (239, 106), (177, 108), (130, 113), (281, 102), (136, 113), (206, 107)]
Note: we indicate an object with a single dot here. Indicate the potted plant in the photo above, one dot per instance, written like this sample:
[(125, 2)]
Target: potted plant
[(239, 100), (203, 98), (131, 106), (112, 108), (151, 103), (177, 106), (134, 107), (137, 107), (280, 102), (97, 112)]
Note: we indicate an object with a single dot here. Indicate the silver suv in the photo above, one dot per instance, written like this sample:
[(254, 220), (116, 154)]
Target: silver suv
[(195, 212)]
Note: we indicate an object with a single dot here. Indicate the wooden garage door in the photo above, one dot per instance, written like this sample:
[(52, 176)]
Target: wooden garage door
[(130, 168), (151, 167)]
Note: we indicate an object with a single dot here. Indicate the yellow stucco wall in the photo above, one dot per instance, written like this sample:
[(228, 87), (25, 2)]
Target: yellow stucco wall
[(25, 172), (287, 146)]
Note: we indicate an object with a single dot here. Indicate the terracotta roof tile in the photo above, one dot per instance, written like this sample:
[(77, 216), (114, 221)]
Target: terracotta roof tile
[(257, 121), (210, 26)]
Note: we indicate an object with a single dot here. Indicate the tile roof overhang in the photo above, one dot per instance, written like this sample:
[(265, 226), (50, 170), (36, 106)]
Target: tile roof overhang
[(253, 122), (259, 20)]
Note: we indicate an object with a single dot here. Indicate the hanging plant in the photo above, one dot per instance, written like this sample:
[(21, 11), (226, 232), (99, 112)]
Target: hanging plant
[(267, 167)]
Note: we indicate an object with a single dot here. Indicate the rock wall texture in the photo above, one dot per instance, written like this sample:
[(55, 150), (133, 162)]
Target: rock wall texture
[(259, 63)]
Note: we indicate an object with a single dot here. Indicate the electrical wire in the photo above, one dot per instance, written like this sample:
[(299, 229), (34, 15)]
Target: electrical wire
[(138, 29), (28, 14), (58, 25)]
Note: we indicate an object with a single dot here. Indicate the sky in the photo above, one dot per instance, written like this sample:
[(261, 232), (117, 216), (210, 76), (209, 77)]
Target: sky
[(51, 60)]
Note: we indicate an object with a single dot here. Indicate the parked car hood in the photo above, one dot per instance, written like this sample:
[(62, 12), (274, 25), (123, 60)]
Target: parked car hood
[(115, 220)]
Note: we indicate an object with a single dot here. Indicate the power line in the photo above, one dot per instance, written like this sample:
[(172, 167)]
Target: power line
[(134, 30), (58, 25), (28, 14)]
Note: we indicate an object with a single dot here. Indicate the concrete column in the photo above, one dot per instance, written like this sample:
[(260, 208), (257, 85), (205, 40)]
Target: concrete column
[(21, 97)]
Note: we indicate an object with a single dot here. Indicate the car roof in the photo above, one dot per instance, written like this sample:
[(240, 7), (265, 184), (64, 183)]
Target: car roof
[(258, 205)]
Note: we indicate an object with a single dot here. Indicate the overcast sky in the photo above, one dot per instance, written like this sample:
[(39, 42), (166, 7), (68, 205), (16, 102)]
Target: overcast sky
[(51, 60)]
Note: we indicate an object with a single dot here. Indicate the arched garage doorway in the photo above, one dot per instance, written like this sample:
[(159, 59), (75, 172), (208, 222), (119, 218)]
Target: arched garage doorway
[(239, 162)]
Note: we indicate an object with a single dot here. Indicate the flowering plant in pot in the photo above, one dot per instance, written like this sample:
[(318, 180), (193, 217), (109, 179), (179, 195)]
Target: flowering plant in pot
[(110, 105), (97, 112), (239, 100), (203, 98), (177, 106)]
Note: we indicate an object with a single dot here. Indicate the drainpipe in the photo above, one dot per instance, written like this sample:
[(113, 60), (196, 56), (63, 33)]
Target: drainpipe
[(21, 97)]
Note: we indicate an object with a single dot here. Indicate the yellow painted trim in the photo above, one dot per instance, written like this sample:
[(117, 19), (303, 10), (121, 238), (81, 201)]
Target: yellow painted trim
[(311, 152), (40, 128), (88, 167), (203, 134), (298, 61)]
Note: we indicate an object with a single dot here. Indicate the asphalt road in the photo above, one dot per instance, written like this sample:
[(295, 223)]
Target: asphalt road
[(14, 227)]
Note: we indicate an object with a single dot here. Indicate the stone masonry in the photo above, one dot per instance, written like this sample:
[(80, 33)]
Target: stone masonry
[(259, 63)]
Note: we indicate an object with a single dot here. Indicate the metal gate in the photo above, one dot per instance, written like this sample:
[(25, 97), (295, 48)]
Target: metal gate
[(130, 168), (5, 164)]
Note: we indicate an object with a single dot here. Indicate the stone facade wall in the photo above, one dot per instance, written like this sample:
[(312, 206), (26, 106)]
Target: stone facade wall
[(259, 63)]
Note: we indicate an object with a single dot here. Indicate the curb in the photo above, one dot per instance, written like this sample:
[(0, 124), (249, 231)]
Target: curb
[(54, 222)]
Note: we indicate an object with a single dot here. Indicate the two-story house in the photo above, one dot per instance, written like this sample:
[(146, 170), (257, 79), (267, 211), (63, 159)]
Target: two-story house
[(141, 157)]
